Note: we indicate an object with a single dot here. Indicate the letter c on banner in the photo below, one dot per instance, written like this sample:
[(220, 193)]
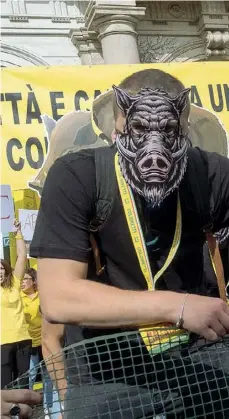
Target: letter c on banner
[(81, 94), (35, 164), (14, 142)]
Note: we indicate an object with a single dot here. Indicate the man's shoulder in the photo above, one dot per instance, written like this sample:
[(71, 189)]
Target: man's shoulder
[(85, 163), (74, 157), (217, 164), (87, 156), (214, 156), (77, 165), (207, 175), (214, 161), (78, 172)]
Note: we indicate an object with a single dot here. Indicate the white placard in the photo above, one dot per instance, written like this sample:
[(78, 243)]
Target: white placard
[(28, 220), (7, 209)]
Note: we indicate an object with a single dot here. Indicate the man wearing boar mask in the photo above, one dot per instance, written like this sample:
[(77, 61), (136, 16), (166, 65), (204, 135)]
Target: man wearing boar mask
[(139, 200)]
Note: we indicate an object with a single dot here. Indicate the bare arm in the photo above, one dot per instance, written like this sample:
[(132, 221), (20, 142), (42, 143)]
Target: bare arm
[(20, 265), (76, 300), (80, 301), (52, 336)]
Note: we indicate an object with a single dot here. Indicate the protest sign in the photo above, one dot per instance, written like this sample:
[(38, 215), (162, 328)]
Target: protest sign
[(27, 219), (7, 209), (28, 93)]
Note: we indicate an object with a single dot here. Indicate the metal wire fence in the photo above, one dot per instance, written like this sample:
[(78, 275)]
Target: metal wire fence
[(115, 377)]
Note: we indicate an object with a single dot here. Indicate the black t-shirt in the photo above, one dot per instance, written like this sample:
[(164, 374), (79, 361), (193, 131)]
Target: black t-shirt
[(68, 205)]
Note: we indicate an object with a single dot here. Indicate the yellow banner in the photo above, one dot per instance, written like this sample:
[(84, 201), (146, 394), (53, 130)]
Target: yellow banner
[(27, 93)]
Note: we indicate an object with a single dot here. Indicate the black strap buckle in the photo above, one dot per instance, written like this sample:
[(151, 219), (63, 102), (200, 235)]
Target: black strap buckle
[(208, 228), (95, 225)]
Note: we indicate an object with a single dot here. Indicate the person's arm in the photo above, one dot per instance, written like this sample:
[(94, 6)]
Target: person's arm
[(61, 244), (76, 300), (52, 336), (20, 265)]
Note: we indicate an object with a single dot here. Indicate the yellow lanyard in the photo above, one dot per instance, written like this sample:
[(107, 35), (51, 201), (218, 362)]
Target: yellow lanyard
[(152, 339), (136, 231)]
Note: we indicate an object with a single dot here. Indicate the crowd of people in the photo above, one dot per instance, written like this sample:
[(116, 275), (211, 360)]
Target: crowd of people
[(21, 330), (151, 158)]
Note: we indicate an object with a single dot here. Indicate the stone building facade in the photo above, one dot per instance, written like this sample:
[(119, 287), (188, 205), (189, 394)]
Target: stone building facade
[(69, 32)]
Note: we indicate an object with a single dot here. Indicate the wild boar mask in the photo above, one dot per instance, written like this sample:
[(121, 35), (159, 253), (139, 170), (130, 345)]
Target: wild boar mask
[(152, 148)]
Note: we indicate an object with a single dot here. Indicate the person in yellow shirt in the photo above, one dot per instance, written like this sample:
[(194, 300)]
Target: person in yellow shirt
[(31, 305), (33, 317), (15, 339)]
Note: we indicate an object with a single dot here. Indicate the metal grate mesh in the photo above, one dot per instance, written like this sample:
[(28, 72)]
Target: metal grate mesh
[(114, 377)]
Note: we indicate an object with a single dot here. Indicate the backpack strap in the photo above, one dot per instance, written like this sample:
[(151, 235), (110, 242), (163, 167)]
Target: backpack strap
[(105, 184), (198, 179), (105, 190), (217, 264)]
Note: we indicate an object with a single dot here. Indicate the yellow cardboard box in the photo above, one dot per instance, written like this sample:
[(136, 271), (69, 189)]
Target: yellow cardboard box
[(23, 199)]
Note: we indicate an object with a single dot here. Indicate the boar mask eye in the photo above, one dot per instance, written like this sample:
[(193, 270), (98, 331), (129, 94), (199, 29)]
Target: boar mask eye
[(171, 125), (168, 125), (137, 127)]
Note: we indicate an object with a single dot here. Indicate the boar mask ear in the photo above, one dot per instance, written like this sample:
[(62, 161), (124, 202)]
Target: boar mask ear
[(181, 100), (123, 100), (49, 125)]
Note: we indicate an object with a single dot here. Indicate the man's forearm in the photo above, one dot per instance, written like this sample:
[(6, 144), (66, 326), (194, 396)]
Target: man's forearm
[(93, 304)]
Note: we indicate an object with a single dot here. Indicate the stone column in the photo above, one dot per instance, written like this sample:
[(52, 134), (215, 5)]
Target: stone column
[(213, 26), (116, 28), (88, 45)]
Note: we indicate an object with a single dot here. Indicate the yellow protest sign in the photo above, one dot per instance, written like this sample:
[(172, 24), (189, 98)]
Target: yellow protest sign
[(27, 93)]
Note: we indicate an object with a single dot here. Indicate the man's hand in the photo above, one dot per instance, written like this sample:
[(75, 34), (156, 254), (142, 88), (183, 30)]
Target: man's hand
[(24, 398), (208, 317)]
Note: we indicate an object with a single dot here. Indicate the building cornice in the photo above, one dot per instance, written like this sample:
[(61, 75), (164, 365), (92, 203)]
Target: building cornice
[(97, 14), (62, 19), (30, 31)]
